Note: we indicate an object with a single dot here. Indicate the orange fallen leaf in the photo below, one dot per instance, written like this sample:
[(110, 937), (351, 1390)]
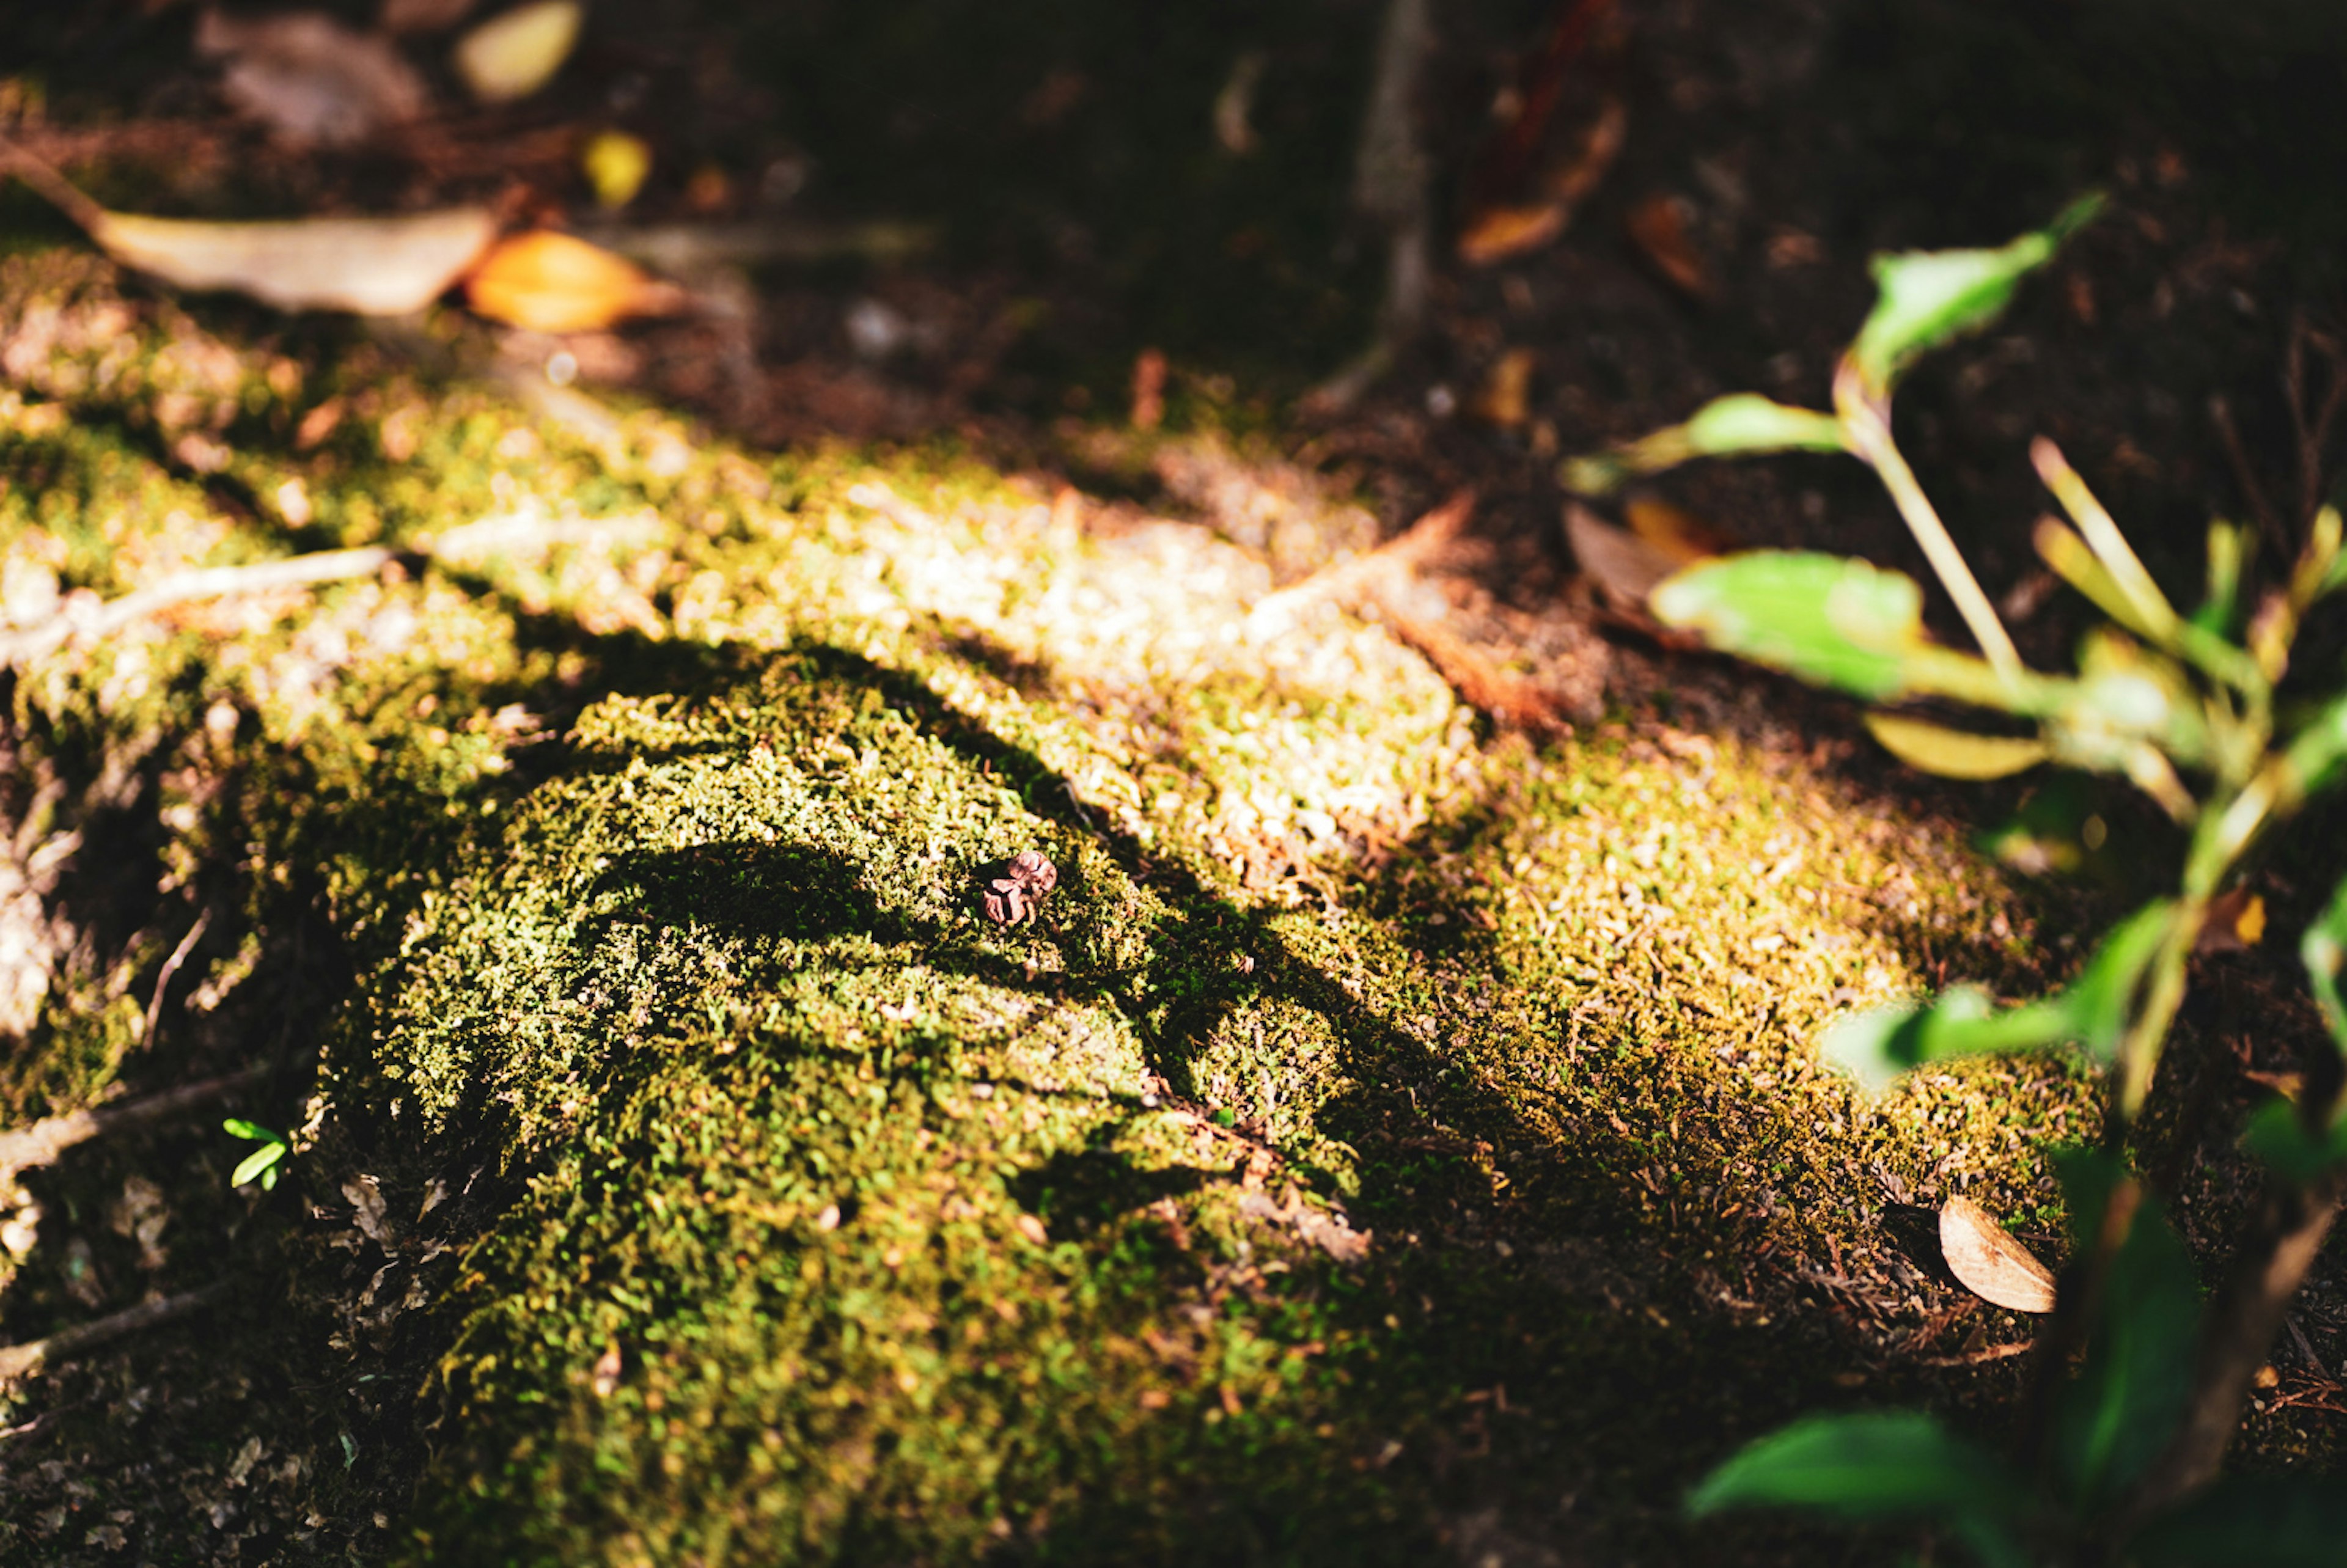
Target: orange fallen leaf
[(1988, 1262), (545, 282), (1497, 233)]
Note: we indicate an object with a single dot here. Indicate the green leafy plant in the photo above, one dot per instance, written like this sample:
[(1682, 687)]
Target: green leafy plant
[(262, 1164), (2124, 1447)]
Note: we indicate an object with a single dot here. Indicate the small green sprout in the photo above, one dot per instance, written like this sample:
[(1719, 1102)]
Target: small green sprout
[(263, 1161)]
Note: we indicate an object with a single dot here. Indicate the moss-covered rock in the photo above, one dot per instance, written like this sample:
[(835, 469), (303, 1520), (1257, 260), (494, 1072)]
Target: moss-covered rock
[(1389, 1138)]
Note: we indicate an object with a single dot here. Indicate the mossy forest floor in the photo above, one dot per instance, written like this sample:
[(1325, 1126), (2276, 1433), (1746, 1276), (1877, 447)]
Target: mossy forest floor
[(1397, 1140)]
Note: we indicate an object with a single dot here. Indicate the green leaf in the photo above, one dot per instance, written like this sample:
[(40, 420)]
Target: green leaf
[(2322, 949), (2126, 694), (2317, 751), (260, 1159), (2116, 1415), (2272, 1521), (2100, 998), (241, 1128), (1877, 1045), (1884, 1465), (2278, 1134), (1955, 753), (1748, 421), (1740, 421), (1830, 620), (1928, 298), (2227, 546)]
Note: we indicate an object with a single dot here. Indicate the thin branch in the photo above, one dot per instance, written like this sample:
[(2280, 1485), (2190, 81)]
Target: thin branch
[(208, 582), (52, 188), (2313, 434), (162, 981), (20, 1362), (2220, 414), (44, 1140), (1869, 427)]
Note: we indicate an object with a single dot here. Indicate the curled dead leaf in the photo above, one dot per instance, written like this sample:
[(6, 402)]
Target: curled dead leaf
[(550, 282), (1988, 1262)]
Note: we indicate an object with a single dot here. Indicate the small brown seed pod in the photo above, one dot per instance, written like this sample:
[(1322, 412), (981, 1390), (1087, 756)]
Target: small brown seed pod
[(1011, 895)]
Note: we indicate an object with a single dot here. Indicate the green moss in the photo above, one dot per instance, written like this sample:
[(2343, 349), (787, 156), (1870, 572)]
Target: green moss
[(818, 1219)]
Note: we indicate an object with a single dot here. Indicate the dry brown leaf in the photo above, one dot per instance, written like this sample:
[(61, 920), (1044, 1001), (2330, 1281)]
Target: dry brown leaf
[(552, 282), (1989, 1263), (2235, 923), (1659, 226), (1624, 566), (374, 266), (1506, 398), (309, 79)]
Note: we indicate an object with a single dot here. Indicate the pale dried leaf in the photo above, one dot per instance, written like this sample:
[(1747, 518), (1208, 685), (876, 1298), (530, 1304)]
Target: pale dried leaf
[(1989, 1263), (309, 79), (513, 55), (375, 266)]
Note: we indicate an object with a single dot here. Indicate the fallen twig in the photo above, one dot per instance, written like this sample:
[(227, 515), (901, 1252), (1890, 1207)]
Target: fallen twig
[(682, 248), (2220, 414), (18, 1361), (44, 1140), (1986, 1353), (208, 582), (162, 981)]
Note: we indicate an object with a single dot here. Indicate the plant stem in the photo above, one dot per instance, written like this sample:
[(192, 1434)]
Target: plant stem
[(2239, 1331), (1868, 423)]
